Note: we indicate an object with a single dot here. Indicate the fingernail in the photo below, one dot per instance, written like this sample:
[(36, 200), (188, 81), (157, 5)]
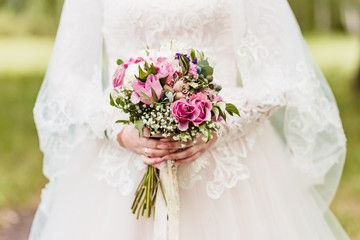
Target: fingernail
[(172, 150), (165, 140)]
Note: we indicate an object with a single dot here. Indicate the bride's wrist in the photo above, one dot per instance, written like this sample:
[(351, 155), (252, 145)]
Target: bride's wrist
[(119, 138)]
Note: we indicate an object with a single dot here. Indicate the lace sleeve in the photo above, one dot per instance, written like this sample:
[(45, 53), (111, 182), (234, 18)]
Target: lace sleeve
[(72, 105), (252, 114), (278, 69)]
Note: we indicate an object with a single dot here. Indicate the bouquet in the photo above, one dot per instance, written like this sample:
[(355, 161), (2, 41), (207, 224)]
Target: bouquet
[(172, 92)]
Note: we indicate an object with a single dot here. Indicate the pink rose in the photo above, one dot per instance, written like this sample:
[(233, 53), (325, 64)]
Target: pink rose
[(152, 81), (118, 79), (164, 68), (201, 101), (119, 76), (217, 98), (184, 112)]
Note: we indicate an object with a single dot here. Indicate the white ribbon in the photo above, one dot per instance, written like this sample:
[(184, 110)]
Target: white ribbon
[(167, 217)]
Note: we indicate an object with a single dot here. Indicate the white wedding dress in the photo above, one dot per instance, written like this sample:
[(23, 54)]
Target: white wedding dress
[(272, 173)]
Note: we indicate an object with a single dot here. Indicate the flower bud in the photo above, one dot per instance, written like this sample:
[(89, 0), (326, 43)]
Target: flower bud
[(179, 95), (179, 85), (170, 89), (210, 78), (218, 88)]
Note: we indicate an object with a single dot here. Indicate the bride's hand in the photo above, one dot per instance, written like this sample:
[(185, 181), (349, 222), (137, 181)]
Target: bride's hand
[(191, 151), (151, 149)]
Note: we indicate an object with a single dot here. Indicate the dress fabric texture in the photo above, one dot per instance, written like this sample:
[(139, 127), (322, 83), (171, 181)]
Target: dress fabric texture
[(271, 174)]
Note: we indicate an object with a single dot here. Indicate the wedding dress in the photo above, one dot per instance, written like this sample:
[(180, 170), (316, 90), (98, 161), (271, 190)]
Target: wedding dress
[(271, 174)]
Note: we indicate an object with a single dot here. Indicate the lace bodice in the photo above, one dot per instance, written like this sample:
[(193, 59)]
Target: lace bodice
[(130, 26)]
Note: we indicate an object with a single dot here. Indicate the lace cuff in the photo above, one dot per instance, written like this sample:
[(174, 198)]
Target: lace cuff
[(252, 113)]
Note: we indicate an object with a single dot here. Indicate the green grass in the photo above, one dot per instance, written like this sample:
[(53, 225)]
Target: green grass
[(22, 65), (24, 55)]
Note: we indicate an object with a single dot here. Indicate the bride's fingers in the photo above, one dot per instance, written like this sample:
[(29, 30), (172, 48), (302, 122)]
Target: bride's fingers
[(168, 139), (151, 161), (150, 143), (152, 153), (188, 159), (160, 165), (175, 145), (183, 154)]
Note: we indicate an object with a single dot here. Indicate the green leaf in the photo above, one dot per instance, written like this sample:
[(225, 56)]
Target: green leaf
[(185, 64), (194, 84), (191, 136), (192, 54), (207, 70), (123, 121), (163, 80), (112, 103), (200, 55), (144, 96), (119, 61), (139, 124), (154, 95), (222, 106), (152, 69), (231, 108), (202, 127), (203, 63), (209, 135), (223, 115), (182, 136), (142, 75), (216, 111)]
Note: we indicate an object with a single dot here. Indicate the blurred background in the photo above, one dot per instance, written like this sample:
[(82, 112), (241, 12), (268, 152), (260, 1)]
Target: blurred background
[(27, 32)]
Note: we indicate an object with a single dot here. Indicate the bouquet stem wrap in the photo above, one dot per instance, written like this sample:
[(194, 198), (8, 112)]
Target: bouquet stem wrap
[(167, 220)]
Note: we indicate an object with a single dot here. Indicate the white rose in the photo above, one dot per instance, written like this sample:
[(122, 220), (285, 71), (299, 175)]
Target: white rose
[(131, 71)]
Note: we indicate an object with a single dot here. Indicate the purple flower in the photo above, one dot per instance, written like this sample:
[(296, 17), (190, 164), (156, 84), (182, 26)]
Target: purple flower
[(178, 56)]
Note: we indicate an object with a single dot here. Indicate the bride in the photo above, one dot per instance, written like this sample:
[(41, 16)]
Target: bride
[(271, 174)]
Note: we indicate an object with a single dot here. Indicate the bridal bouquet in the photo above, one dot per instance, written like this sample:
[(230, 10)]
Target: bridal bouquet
[(169, 91)]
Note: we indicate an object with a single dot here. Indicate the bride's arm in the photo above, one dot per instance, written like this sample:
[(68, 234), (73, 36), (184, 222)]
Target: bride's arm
[(70, 108), (252, 113)]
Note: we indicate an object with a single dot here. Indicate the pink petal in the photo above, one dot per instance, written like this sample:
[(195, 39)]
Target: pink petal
[(183, 125)]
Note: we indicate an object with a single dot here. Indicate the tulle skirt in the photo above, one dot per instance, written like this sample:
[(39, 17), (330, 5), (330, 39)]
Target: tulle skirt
[(273, 203)]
